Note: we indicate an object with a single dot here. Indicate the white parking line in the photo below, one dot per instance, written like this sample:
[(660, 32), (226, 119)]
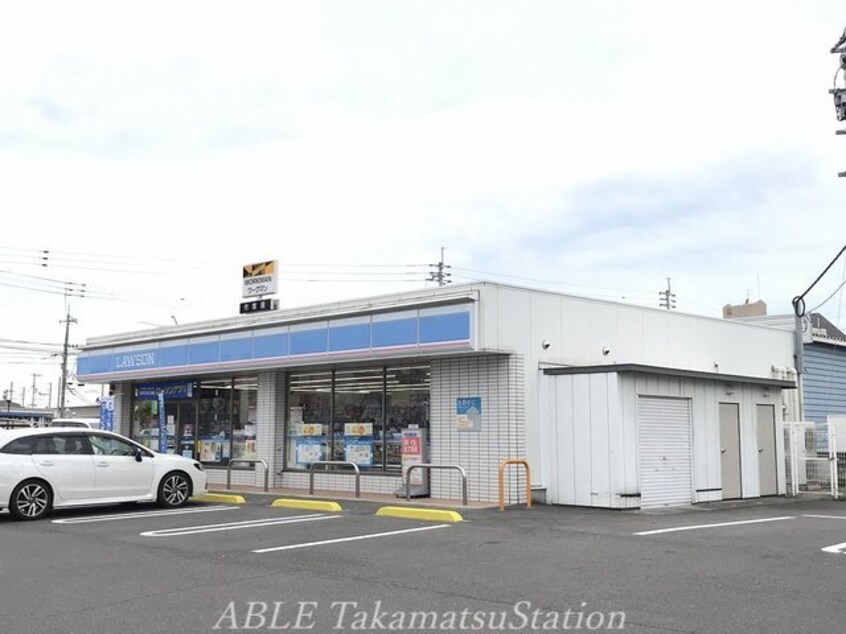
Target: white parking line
[(234, 526), (349, 539), (837, 549), (827, 517), (698, 526), (131, 516)]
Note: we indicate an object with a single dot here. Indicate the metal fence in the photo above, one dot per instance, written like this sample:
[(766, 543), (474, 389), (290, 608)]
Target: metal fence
[(813, 464)]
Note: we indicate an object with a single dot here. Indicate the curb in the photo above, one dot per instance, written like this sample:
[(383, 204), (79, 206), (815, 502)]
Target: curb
[(310, 505), (220, 497), (411, 513)]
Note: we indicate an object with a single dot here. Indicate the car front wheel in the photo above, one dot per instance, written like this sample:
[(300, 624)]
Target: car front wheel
[(174, 490), (30, 500)]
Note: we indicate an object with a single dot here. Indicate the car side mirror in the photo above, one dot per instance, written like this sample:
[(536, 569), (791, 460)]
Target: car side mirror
[(138, 455)]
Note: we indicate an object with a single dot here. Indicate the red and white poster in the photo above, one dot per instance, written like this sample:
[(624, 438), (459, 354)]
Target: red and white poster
[(413, 440)]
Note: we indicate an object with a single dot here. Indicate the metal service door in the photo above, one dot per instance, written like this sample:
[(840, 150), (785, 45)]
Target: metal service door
[(767, 465), (665, 452), (730, 450)]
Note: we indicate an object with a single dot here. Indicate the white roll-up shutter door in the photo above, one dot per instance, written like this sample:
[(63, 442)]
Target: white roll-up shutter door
[(664, 449)]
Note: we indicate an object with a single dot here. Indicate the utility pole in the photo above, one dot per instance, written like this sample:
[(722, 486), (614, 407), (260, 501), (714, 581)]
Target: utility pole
[(63, 385), (839, 94), (440, 274), (667, 299), (34, 390)]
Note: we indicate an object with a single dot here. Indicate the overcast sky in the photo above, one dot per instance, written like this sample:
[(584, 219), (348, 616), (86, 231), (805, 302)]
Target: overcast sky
[(595, 148)]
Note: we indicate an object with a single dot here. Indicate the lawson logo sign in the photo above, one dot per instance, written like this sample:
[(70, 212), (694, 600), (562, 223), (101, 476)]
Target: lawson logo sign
[(138, 360)]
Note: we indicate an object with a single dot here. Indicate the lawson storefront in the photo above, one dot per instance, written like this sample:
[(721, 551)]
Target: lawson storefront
[(368, 382)]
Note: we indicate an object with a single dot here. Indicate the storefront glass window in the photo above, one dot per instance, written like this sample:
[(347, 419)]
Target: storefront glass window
[(309, 418), (244, 419), (407, 404), (145, 423), (357, 420), (355, 415)]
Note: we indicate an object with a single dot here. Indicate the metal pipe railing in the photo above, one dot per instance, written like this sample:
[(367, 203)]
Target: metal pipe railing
[(330, 463), (502, 466), (454, 467), (248, 461)]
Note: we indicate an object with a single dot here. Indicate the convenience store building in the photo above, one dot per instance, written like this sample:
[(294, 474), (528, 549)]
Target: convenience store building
[(613, 405)]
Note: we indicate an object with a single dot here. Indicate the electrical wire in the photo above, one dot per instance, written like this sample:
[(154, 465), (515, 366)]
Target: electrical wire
[(799, 301)]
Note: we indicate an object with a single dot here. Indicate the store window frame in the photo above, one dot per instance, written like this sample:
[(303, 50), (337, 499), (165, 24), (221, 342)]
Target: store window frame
[(197, 386)]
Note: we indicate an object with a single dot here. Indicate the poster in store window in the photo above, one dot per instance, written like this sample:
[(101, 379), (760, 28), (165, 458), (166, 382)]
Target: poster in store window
[(359, 450), (309, 450), (358, 443)]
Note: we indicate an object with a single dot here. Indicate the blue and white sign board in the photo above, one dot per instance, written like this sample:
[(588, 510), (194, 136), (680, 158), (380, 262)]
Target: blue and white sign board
[(170, 390), (468, 413), (162, 422), (107, 413), (309, 450)]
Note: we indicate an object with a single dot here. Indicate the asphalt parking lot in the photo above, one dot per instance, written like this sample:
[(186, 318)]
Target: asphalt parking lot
[(771, 566)]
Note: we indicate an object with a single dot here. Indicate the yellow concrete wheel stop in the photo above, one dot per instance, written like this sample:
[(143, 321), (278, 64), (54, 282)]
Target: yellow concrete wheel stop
[(308, 505), (414, 513), (226, 498)]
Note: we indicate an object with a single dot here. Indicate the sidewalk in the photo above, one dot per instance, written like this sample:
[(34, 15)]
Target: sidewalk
[(347, 496)]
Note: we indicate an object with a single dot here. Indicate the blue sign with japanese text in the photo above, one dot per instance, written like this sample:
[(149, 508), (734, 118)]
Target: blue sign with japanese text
[(468, 413), (107, 413), (162, 423), (170, 390)]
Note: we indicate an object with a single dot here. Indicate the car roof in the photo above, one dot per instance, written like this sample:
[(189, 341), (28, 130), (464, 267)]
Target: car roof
[(6, 434)]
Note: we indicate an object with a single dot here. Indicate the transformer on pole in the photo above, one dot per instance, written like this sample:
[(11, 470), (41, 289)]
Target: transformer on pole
[(839, 93)]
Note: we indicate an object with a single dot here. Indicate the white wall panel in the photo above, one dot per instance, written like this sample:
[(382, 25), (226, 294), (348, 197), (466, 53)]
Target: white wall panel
[(499, 381)]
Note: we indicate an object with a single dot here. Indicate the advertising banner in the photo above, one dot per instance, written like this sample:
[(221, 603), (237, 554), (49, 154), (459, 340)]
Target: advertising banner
[(107, 413), (162, 423)]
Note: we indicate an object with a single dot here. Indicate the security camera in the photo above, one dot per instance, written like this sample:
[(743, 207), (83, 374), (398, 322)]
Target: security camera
[(545, 344), (606, 351)]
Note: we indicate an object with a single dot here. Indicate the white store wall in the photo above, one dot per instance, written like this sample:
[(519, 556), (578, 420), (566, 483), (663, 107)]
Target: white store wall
[(512, 319), (591, 420)]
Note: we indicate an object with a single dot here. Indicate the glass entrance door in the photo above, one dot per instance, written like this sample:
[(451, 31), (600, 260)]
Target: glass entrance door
[(181, 421)]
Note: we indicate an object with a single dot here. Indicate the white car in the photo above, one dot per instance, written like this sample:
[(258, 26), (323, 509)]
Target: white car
[(46, 468), (91, 423)]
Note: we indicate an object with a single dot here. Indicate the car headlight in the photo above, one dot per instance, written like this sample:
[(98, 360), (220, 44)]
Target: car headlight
[(198, 466)]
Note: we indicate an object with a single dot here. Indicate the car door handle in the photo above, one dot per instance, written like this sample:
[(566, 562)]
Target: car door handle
[(102, 464), (46, 463)]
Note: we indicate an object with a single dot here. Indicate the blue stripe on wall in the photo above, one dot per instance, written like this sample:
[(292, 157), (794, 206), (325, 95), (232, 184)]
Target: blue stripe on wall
[(309, 341), (203, 352), (270, 346), (449, 327), (397, 332), (236, 349), (352, 337), (172, 356), (100, 363)]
